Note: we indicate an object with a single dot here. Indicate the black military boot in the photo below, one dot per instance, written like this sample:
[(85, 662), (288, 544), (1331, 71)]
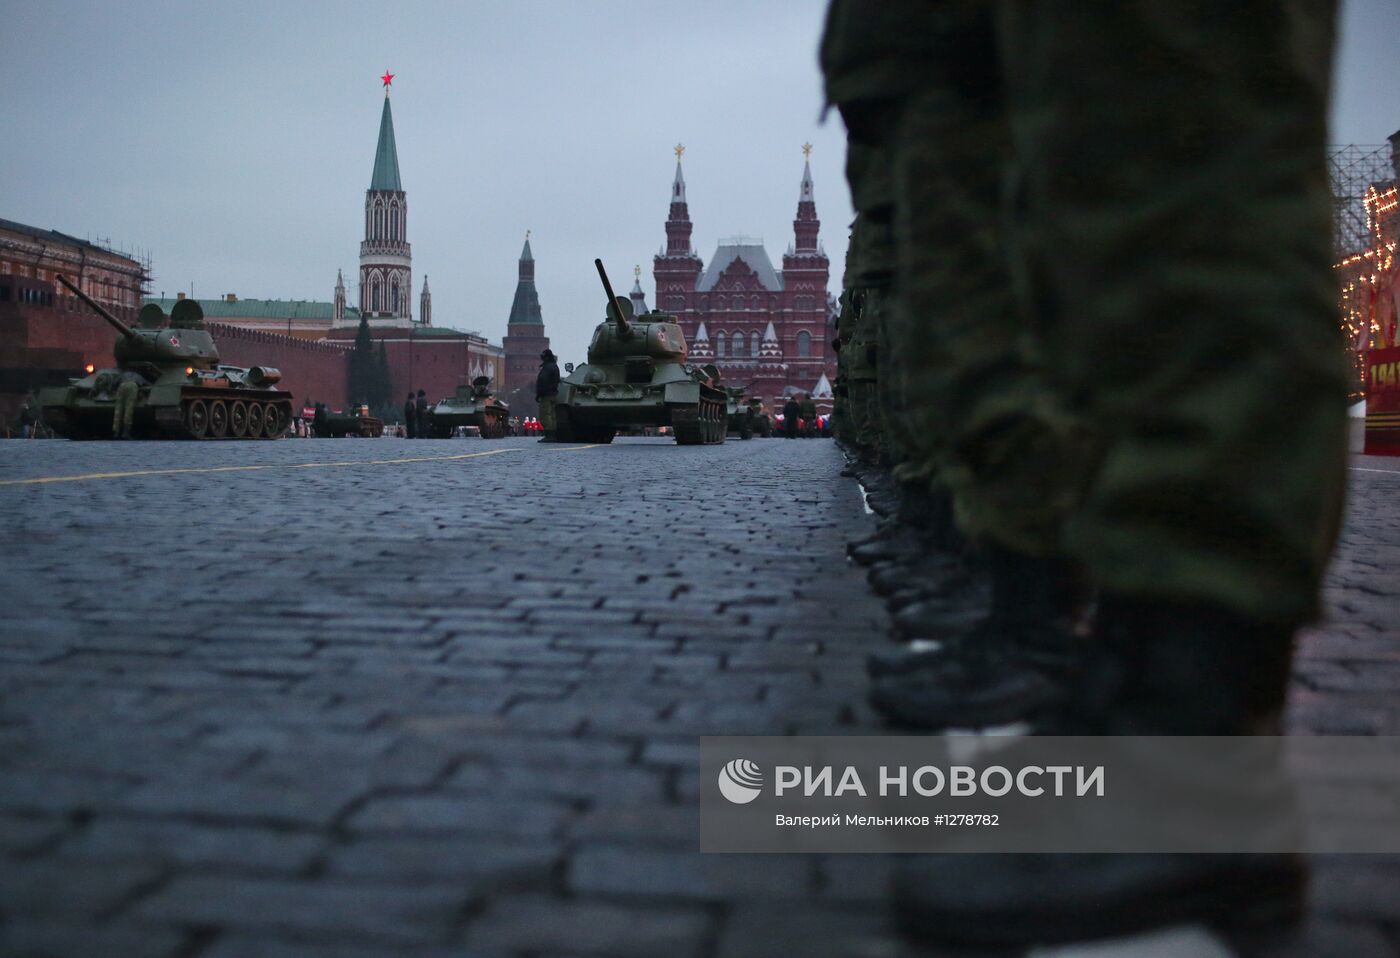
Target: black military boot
[(893, 541), (1010, 666), (1157, 669), (1188, 669)]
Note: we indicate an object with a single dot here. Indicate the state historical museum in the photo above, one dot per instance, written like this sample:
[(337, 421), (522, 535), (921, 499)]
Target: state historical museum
[(766, 328)]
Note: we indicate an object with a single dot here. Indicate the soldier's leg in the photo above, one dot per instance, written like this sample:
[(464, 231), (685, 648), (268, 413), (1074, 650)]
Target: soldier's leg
[(547, 417), (988, 425), (973, 370), (871, 267), (1188, 292), (1175, 204), (120, 416), (130, 412)]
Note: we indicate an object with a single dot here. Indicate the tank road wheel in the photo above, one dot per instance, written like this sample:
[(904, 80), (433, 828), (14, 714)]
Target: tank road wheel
[(218, 419), (197, 418), (272, 421), (255, 420), (238, 419)]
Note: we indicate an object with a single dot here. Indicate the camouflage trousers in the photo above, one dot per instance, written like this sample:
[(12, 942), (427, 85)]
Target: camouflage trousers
[(1115, 317), (862, 379), (547, 416), (123, 410)]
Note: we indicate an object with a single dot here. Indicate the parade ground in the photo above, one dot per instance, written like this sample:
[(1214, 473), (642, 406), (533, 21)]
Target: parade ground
[(341, 699)]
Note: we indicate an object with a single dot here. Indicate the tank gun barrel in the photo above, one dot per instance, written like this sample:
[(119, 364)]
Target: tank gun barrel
[(122, 327), (624, 329)]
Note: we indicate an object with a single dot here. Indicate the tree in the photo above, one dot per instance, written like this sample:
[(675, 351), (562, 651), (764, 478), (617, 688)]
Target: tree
[(368, 370), (383, 381)]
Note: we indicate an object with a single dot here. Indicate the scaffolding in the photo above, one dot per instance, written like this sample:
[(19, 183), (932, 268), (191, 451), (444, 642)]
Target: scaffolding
[(1354, 169), (1366, 227)]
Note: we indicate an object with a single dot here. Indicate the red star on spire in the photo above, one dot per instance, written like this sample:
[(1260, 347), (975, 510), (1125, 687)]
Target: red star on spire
[(388, 78)]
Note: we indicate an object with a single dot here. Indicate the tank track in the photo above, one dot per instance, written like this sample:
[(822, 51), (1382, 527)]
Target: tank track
[(704, 424)]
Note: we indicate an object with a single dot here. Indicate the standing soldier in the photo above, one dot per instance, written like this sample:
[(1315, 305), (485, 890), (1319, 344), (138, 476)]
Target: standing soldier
[(27, 418), (546, 391), (861, 57), (808, 406), (846, 430), (420, 415), (870, 269), (1105, 396), (792, 413), (410, 416), (125, 406)]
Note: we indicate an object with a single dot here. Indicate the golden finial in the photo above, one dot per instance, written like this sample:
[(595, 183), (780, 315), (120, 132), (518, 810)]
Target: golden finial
[(806, 150), (678, 149), (527, 234), (637, 271)]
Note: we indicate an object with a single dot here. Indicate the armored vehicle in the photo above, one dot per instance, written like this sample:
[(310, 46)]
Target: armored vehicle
[(474, 405), (356, 423), (740, 415), (636, 375), (185, 392)]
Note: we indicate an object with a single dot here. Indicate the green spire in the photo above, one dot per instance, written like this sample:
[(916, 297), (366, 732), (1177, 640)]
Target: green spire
[(386, 157)]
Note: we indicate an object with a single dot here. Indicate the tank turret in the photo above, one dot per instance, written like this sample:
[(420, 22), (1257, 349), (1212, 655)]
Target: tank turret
[(182, 342), (623, 336)]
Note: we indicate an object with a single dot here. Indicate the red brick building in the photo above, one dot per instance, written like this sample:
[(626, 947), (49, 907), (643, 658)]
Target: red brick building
[(764, 327), (47, 335)]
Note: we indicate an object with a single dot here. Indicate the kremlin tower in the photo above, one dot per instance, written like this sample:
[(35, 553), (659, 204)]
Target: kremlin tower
[(525, 339), (386, 262)]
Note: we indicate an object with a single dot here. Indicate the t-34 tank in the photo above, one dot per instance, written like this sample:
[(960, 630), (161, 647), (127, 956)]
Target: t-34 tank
[(474, 405), (185, 392), (636, 375), (356, 423), (739, 414)]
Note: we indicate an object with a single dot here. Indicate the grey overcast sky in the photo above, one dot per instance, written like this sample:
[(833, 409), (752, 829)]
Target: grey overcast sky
[(234, 141)]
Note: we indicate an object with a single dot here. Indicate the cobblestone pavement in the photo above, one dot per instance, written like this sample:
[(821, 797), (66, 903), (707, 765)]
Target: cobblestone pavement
[(442, 698)]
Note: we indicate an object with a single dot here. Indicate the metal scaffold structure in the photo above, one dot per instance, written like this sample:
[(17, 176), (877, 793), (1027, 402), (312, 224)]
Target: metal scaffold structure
[(1354, 169), (1366, 225)]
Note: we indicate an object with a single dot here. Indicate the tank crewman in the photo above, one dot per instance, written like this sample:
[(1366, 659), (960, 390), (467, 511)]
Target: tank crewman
[(1108, 399), (420, 415), (410, 416), (808, 407), (127, 392), (27, 418), (546, 391)]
